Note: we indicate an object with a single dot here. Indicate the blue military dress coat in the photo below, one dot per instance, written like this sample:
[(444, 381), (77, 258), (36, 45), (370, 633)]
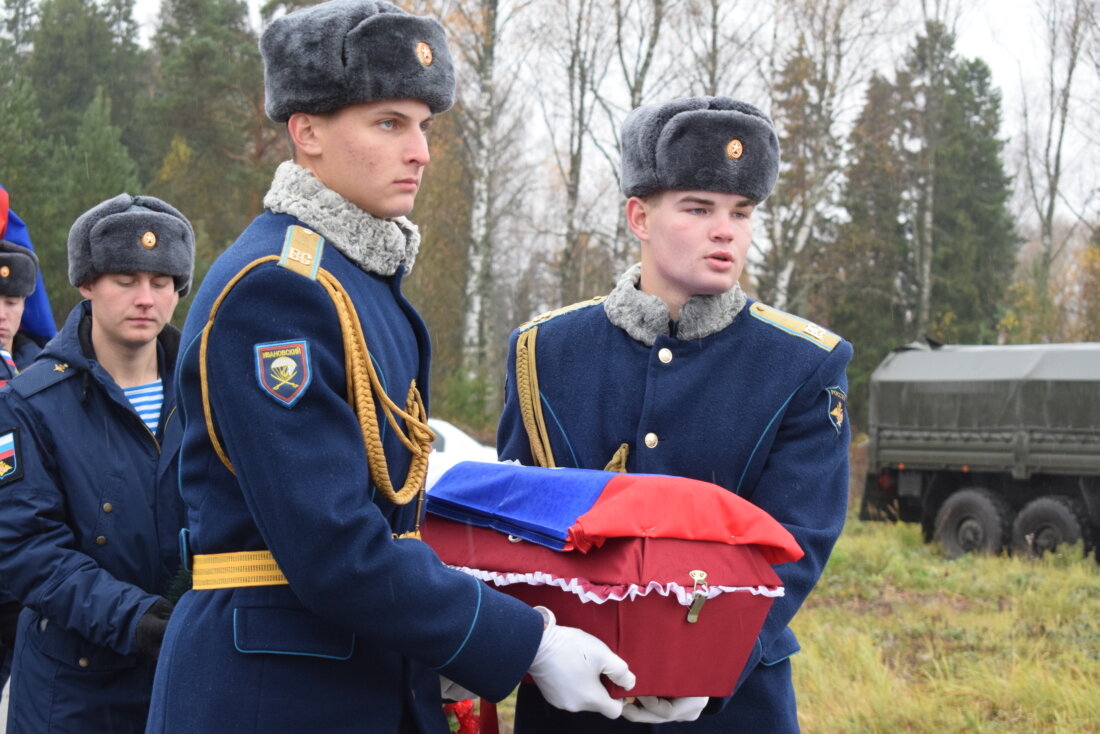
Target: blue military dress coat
[(89, 519), (358, 638), (742, 396)]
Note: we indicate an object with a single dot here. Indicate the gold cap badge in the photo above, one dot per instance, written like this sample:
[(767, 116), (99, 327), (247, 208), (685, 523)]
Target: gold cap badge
[(148, 240), (424, 53), (734, 149), (5, 271)]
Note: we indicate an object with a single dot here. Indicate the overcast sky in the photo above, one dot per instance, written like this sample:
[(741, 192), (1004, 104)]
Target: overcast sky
[(1002, 32)]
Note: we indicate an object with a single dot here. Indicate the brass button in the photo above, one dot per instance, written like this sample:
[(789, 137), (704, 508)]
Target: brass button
[(148, 240), (651, 440), (107, 507), (83, 662), (665, 355), (101, 540)]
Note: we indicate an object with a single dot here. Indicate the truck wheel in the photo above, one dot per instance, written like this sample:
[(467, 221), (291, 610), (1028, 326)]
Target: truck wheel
[(1046, 523), (973, 520)]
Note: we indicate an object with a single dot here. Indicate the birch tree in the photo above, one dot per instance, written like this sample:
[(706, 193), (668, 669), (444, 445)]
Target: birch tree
[(712, 34), (487, 117), (640, 26), (814, 82), (575, 55), (1066, 26)]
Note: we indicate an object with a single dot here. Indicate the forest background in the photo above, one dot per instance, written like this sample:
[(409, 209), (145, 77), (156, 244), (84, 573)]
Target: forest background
[(902, 209)]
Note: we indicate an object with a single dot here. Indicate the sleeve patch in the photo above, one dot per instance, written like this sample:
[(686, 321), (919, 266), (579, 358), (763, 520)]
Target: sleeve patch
[(283, 370), (837, 407), (11, 462)]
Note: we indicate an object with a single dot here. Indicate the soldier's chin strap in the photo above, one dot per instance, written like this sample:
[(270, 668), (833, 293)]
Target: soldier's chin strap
[(365, 395)]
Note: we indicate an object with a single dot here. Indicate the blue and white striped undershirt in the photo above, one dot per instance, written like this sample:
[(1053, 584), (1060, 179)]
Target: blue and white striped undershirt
[(147, 400)]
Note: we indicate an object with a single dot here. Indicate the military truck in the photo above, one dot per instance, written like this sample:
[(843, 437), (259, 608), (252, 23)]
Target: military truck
[(989, 448)]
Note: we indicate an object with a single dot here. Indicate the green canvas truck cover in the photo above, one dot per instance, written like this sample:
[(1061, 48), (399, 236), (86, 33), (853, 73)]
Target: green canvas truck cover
[(1022, 408)]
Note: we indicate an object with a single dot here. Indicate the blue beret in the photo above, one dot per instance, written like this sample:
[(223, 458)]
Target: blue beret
[(699, 144), (18, 270), (343, 52), (132, 234)]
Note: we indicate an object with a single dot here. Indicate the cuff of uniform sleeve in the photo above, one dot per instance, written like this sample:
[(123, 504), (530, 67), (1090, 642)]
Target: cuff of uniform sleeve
[(499, 649)]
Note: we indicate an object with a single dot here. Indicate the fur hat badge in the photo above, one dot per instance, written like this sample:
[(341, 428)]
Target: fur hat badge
[(132, 234), (343, 52), (699, 143)]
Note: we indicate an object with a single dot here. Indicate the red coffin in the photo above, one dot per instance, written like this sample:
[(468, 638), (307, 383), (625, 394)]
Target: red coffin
[(634, 593)]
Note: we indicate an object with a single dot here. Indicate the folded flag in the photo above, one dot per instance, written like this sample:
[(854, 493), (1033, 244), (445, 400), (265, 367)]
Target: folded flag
[(629, 558), (566, 509)]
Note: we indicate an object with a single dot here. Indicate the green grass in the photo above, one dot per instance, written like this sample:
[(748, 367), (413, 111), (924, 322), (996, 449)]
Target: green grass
[(897, 638)]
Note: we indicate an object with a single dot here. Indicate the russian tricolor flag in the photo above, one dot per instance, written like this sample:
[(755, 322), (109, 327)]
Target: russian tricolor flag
[(7, 446), (566, 509), (653, 565)]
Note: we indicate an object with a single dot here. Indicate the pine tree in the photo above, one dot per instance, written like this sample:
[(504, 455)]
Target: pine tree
[(79, 48), (871, 253), (929, 246), (216, 150), (93, 167)]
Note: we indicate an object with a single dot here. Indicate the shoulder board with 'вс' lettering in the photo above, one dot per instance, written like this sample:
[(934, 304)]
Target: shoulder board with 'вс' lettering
[(542, 318), (795, 326), (302, 250)]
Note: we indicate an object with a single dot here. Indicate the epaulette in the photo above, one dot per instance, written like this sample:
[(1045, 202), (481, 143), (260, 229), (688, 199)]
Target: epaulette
[(796, 326), (543, 318), (39, 376), (302, 250)]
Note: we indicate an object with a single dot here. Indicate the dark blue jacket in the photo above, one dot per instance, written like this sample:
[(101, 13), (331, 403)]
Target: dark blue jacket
[(24, 350), (358, 639), (747, 408), (89, 518)]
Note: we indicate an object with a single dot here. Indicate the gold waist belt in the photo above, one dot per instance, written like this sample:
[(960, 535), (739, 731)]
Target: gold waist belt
[(232, 570)]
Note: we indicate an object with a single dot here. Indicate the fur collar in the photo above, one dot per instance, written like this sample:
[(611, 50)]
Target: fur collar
[(645, 317), (376, 245)]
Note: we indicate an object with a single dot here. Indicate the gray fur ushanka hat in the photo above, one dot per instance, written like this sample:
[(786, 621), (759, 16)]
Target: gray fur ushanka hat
[(18, 270), (699, 144), (343, 52), (132, 234)]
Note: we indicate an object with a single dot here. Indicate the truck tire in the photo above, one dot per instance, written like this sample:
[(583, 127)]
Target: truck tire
[(973, 520), (1048, 522)]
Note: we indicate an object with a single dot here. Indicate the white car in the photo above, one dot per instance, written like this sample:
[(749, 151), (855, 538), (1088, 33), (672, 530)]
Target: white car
[(451, 446)]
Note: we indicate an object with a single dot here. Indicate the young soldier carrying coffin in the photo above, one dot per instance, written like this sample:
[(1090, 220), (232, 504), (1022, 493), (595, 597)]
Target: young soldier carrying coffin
[(89, 508), (677, 372), (304, 380)]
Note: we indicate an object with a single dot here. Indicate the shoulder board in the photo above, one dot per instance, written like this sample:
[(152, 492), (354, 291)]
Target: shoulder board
[(39, 376), (795, 326), (542, 318), (302, 250)]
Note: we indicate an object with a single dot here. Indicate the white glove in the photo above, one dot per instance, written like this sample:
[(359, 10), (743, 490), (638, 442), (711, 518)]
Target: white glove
[(654, 710), (568, 666), (451, 691)]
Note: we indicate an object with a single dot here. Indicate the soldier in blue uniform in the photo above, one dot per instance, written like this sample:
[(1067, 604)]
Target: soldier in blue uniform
[(304, 382), (18, 273), (36, 326), (678, 372), (89, 511)]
